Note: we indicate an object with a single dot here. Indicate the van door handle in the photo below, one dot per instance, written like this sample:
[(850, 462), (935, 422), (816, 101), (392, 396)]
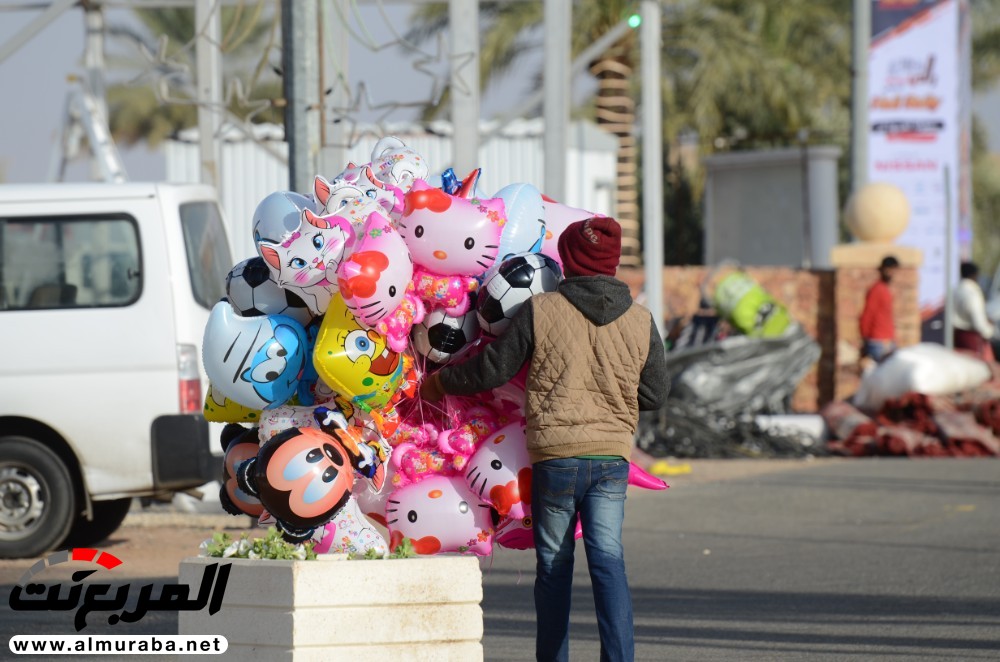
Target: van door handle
[(132, 273)]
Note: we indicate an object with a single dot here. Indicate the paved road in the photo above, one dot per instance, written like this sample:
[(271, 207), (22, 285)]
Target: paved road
[(763, 560)]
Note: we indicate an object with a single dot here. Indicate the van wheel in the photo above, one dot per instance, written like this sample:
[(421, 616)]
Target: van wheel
[(108, 516), (36, 498)]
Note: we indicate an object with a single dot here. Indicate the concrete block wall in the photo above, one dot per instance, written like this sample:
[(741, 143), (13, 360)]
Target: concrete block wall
[(422, 609), (827, 303)]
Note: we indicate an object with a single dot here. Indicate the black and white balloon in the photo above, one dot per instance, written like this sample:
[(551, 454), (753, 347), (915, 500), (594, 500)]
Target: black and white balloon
[(443, 338), (252, 292), (507, 286)]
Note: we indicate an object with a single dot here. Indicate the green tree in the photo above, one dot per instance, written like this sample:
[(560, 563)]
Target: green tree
[(249, 32)]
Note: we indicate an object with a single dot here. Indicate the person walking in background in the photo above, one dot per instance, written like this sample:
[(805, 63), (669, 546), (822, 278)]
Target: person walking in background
[(596, 360), (972, 329), (878, 330)]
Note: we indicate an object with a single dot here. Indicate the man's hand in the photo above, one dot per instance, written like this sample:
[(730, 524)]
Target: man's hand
[(430, 389)]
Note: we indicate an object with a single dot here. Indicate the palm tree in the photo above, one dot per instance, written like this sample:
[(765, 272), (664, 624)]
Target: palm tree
[(136, 111)]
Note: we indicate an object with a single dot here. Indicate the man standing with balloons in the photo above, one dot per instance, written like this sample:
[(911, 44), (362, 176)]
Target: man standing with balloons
[(596, 360)]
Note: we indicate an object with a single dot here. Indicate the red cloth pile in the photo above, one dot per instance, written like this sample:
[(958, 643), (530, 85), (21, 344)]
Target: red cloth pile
[(966, 425)]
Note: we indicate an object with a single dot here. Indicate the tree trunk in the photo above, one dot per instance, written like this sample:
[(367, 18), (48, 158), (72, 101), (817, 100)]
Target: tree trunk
[(616, 114)]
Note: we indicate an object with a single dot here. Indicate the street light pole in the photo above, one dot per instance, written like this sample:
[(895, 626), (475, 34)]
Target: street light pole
[(301, 85), (652, 158), (558, 16), (208, 56), (464, 26)]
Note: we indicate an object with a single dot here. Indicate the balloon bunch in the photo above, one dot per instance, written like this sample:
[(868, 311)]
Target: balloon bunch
[(376, 278)]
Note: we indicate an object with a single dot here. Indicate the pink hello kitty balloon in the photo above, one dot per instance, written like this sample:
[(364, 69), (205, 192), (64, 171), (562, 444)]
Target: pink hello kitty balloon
[(374, 278), (439, 514), (451, 235), (500, 471)]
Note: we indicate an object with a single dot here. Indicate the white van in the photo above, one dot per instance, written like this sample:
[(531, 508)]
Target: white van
[(105, 290)]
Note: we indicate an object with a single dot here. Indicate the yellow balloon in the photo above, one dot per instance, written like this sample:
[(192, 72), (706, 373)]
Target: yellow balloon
[(220, 409), (354, 361)]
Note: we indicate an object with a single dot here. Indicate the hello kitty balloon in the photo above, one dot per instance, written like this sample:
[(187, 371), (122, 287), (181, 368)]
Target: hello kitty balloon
[(439, 514), (500, 471), (374, 279), (450, 237), (302, 250)]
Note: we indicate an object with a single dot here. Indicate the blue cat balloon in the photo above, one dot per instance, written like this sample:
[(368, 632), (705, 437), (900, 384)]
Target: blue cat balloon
[(257, 362)]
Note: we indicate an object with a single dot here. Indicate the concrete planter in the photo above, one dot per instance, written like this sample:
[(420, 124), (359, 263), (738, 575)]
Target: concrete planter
[(334, 609)]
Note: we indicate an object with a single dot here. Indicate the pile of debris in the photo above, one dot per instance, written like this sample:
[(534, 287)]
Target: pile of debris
[(923, 401), (687, 430), (919, 425), (740, 356)]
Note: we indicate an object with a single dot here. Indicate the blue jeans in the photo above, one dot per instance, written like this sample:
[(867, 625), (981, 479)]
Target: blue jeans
[(594, 489), (878, 350)]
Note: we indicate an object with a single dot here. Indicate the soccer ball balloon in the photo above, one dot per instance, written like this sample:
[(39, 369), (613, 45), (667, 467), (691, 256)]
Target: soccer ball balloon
[(443, 338), (252, 292), (508, 286)]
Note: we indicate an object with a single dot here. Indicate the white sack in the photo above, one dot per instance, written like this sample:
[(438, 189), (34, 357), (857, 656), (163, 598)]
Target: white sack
[(926, 368)]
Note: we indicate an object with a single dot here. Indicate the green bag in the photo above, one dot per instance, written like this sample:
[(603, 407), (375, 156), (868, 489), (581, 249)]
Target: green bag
[(749, 308)]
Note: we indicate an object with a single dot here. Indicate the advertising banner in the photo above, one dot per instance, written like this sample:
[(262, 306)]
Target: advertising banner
[(919, 122)]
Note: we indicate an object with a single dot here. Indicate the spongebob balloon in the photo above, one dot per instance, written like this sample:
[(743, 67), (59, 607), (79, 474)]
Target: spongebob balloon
[(356, 362)]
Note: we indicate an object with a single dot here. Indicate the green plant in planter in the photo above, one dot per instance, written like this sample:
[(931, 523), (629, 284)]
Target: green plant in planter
[(271, 546), (404, 550)]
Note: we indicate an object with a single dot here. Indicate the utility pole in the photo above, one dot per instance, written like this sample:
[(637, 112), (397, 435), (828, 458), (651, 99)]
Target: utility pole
[(652, 158), (558, 15), (859, 94), (208, 56), (301, 86), (463, 18)]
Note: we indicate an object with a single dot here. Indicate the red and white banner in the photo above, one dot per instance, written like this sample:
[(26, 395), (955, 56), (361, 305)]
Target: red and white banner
[(920, 94)]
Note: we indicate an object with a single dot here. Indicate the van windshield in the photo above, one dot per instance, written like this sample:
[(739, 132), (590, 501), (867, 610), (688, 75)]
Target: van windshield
[(207, 250)]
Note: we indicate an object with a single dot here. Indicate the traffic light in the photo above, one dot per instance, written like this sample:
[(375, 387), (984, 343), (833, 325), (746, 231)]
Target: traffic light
[(634, 20)]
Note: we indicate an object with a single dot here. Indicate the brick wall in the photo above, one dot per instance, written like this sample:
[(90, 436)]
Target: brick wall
[(827, 303)]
